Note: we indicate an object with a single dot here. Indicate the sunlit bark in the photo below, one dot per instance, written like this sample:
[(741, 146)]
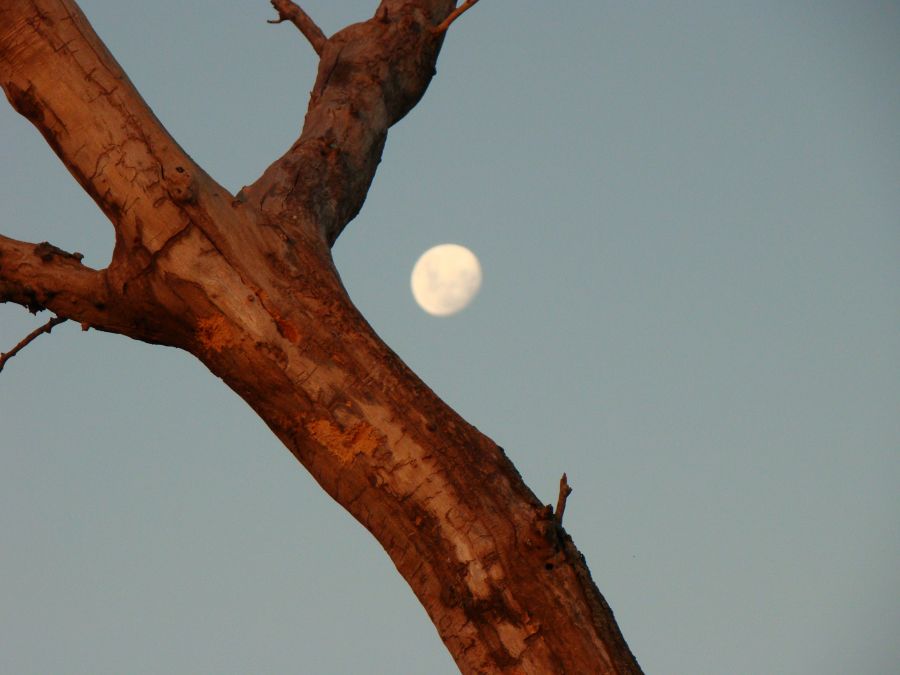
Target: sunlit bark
[(246, 284)]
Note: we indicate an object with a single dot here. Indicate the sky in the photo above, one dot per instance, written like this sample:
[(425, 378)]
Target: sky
[(688, 222)]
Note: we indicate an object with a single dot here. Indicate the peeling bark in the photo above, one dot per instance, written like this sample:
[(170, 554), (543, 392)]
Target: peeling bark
[(246, 284)]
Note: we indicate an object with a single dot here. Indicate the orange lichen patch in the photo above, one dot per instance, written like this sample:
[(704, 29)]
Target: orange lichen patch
[(361, 438), (214, 333), (287, 330), (514, 637)]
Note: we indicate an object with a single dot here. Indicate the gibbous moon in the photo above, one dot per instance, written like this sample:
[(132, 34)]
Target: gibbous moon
[(445, 279)]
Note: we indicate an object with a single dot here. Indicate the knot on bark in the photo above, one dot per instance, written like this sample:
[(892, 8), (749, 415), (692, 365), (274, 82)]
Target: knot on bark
[(180, 184)]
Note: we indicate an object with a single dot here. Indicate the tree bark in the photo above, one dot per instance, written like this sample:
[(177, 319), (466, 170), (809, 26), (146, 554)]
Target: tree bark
[(246, 283)]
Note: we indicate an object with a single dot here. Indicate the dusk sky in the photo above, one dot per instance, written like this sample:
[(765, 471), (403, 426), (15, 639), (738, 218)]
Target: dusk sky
[(688, 222)]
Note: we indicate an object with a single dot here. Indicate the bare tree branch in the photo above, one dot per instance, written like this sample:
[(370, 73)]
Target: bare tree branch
[(248, 285), (453, 16), (58, 74), (370, 75), (564, 492), (42, 276), (46, 328), (289, 11)]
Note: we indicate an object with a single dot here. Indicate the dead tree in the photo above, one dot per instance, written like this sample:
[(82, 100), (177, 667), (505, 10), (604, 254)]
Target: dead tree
[(245, 282)]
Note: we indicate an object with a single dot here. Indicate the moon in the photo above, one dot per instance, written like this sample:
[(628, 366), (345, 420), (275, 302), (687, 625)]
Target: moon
[(445, 279)]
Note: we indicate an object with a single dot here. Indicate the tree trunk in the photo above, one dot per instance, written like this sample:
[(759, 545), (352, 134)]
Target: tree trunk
[(246, 283)]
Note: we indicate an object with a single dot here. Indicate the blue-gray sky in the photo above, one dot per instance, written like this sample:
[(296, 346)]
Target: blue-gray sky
[(688, 218)]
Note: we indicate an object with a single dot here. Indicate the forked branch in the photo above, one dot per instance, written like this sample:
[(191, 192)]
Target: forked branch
[(46, 328), (261, 305), (290, 11), (370, 75)]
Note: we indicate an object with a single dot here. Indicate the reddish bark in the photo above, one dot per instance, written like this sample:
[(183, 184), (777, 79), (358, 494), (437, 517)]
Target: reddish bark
[(246, 284)]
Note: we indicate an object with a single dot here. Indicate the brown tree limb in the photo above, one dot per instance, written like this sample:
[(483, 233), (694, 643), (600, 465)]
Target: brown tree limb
[(453, 16), (564, 492), (290, 11), (46, 328), (42, 276), (249, 287), (370, 75), (97, 124)]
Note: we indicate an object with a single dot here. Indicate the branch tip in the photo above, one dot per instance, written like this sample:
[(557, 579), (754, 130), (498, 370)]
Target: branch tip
[(564, 492), (46, 328), (290, 11), (452, 16)]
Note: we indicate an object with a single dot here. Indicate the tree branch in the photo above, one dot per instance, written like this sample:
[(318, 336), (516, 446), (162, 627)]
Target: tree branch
[(46, 328), (42, 276), (249, 287), (370, 75), (453, 16), (289, 11), (58, 74), (564, 492)]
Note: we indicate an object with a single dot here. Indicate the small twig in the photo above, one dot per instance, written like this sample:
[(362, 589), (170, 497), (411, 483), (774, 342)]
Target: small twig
[(564, 492), (452, 16), (290, 11), (46, 328)]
